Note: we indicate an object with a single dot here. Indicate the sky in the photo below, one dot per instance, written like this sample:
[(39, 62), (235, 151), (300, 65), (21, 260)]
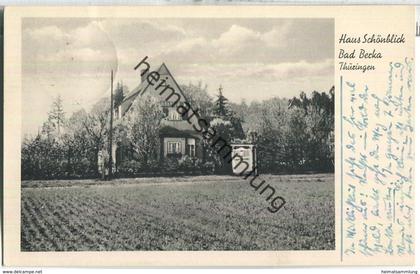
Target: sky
[(251, 58)]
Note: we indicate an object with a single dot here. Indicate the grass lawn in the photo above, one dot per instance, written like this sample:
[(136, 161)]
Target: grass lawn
[(185, 213)]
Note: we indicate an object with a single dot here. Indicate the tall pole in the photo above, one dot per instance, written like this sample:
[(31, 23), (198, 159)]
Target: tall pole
[(110, 126), (417, 29)]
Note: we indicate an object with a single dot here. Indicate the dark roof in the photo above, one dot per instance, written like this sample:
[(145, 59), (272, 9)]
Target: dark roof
[(143, 86), (168, 131)]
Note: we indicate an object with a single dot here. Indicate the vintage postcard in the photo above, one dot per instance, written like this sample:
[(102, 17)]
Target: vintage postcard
[(209, 136)]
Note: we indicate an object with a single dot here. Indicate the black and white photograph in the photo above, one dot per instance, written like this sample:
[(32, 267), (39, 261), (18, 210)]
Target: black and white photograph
[(177, 134)]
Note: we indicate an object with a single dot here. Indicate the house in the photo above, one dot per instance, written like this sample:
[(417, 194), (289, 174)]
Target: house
[(177, 136)]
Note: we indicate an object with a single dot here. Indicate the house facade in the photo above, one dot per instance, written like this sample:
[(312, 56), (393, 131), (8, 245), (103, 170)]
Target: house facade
[(177, 136)]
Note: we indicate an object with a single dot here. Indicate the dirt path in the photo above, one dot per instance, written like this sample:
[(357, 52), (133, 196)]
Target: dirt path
[(154, 181)]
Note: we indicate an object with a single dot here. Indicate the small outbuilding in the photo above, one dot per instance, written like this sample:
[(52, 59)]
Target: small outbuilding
[(248, 157)]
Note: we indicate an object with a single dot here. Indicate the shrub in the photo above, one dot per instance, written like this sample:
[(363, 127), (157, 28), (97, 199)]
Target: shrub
[(208, 167), (188, 163), (171, 164), (82, 168), (130, 167)]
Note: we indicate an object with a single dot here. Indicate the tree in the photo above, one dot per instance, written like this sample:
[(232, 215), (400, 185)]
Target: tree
[(57, 116), (198, 97), (319, 120), (221, 106), (142, 124), (96, 124), (119, 94), (77, 145), (222, 110), (42, 156), (73, 152), (269, 121), (241, 110), (292, 135), (48, 130), (228, 127)]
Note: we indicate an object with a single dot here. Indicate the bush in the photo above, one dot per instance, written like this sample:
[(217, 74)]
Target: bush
[(189, 164), (82, 168), (185, 164), (131, 167), (171, 164), (208, 167)]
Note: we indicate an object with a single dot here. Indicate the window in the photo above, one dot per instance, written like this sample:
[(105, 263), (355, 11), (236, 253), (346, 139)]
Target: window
[(174, 147), (191, 147), (191, 150)]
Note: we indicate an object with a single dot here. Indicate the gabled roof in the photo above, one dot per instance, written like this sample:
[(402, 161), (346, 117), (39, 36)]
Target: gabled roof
[(144, 86)]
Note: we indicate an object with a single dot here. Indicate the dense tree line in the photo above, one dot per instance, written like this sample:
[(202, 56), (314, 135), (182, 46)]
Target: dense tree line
[(292, 135), (66, 147)]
